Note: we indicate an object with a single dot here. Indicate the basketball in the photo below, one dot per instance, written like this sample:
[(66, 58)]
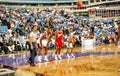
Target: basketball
[(79, 4)]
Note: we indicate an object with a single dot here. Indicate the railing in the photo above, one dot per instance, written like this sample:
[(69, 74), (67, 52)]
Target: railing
[(40, 1)]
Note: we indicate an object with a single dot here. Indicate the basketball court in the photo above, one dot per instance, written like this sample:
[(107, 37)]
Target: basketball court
[(102, 60)]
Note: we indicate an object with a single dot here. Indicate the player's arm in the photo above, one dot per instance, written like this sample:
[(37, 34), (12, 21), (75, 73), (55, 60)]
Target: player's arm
[(50, 34), (41, 39), (74, 39), (119, 28)]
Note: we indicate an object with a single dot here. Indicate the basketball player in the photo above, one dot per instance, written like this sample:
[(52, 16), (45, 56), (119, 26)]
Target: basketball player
[(118, 34), (44, 40), (33, 45), (58, 42), (70, 42)]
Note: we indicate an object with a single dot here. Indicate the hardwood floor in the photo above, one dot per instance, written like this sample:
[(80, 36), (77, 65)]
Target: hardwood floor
[(92, 65)]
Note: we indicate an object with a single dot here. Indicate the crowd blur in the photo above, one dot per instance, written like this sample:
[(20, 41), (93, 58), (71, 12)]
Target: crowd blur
[(19, 21)]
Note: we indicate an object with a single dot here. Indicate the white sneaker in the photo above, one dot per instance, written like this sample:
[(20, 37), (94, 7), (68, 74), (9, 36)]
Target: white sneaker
[(39, 59), (68, 56), (72, 55), (46, 59), (59, 56), (56, 58)]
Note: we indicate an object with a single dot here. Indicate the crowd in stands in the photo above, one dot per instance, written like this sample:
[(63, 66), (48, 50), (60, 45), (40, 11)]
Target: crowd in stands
[(20, 21)]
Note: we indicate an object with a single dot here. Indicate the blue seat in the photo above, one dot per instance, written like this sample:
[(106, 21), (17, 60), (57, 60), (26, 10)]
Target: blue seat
[(3, 29)]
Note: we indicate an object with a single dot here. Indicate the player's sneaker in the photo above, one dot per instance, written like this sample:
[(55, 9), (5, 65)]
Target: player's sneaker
[(59, 56), (56, 58), (39, 59), (68, 56), (46, 58), (72, 55)]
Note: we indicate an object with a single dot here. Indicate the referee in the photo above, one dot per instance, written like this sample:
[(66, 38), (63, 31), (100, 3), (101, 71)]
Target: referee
[(33, 45)]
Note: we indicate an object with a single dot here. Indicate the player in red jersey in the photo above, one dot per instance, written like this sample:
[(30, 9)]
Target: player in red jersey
[(58, 42)]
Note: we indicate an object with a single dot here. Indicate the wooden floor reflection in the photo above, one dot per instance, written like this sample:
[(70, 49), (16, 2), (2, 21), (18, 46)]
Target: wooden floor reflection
[(94, 65)]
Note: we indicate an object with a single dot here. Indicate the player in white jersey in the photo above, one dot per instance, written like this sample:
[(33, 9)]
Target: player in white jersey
[(44, 40), (70, 42)]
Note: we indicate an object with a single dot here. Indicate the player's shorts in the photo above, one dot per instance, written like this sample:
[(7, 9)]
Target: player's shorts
[(44, 42), (70, 46), (59, 44)]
